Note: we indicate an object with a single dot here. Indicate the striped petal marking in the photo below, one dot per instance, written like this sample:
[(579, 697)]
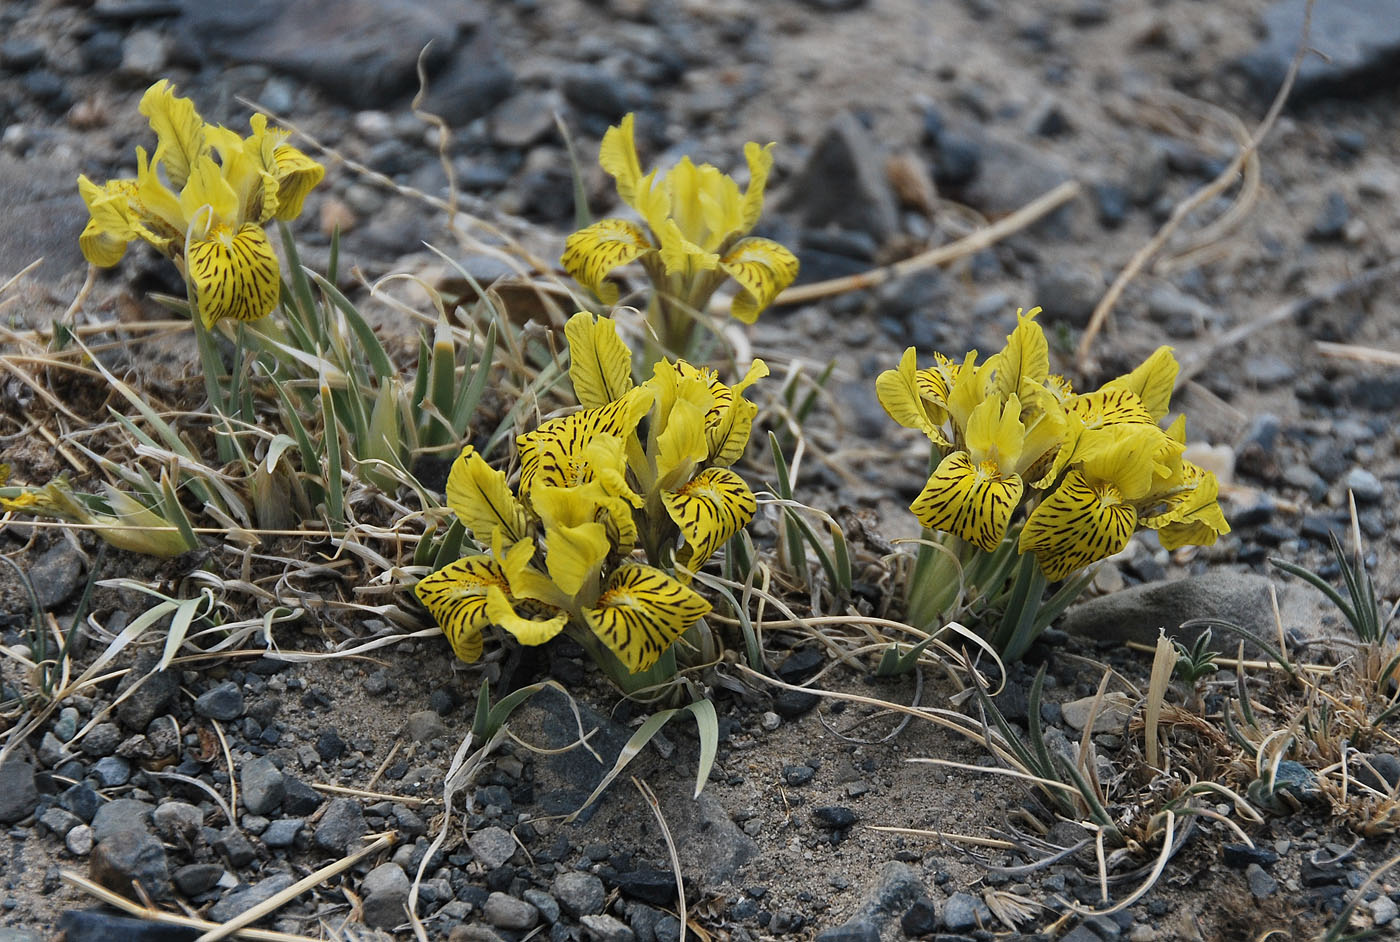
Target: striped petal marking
[(235, 274), (592, 253), (974, 503), (641, 612), (763, 268), (1077, 524), (455, 595), (709, 509)]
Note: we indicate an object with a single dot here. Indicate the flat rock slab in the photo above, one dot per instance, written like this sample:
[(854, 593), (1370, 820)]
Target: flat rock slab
[(362, 51), (1137, 613), (1359, 42)]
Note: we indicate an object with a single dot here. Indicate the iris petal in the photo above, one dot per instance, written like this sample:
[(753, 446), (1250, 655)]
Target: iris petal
[(709, 509), (763, 268), (1077, 524), (235, 274), (974, 503), (592, 253), (455, 595), (641, 613)]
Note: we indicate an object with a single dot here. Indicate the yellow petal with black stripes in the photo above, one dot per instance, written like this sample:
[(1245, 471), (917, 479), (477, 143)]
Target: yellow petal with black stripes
[(974, 503), (641, 612), (592, 253), (763, 269), (235, 274), (1078, 524), (709, 509), (455, 595)]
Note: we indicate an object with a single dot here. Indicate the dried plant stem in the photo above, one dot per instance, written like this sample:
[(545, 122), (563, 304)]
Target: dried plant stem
[(117, 901), (655, 805), (1205, 194), (313, 879), (991, 842), (1348, 351), (942, 255)]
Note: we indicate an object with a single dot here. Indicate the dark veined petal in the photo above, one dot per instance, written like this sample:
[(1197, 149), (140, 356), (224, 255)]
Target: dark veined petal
[(455, 595), (600, 365), (1110, 406), (1152, 382), (297, 175), (179, 130), (556, 452), (763, 268), (591, 253), (480, 497), (1076, 525), (235, 274), (641, 612), (973, 503), (709, 509)]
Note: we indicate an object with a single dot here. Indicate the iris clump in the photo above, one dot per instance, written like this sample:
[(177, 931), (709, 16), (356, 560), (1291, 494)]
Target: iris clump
[(614, 507), (692, 237), (202, 200), (1034, 483)]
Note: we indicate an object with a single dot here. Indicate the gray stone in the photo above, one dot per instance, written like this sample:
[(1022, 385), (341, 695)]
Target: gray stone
[(1176, 309), (579, 894), (82, 800), (385, 890), (857, 929), (66, 726), (843, 183), (1268, 370), (1012, 173), (59, 821), (1380, 771), (596, 90), (507, 912), (19, 796), (524, 119), (607, 929), (111, 771), (1136, 613), (1364, 486), (964, 911), (282, 832), (546, 904), (472, 83), (425, 726), (1359, 41), (241, 900), (79, 841), (153, 695), (1384, 910), (1068, 294), (1261, 884), (224, 702), (238, 850), (57, 574), (145, 53), (177, 822), (194, 879), (128, 856), (342, 823), (101, 740), (121, 814), (263, 786), (492, 846)]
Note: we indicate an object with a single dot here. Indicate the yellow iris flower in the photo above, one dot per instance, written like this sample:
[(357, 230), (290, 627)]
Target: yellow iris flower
[(1091, 468), (593, 484), (202, 200), (699, 222)]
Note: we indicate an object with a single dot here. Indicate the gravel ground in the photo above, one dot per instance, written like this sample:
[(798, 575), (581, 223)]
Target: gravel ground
[(900, 124)]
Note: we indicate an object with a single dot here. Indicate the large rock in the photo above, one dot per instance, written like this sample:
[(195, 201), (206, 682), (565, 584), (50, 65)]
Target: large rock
[(843, 183), (1359, 41), (1242, 598), (364, 52), (43, 193)]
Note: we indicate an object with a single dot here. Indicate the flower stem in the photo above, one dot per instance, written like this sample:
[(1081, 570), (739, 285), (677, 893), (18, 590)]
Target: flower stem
[(215, 380)]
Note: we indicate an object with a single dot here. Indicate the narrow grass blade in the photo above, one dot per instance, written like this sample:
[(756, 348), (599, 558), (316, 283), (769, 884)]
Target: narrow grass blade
[(374, 350)]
